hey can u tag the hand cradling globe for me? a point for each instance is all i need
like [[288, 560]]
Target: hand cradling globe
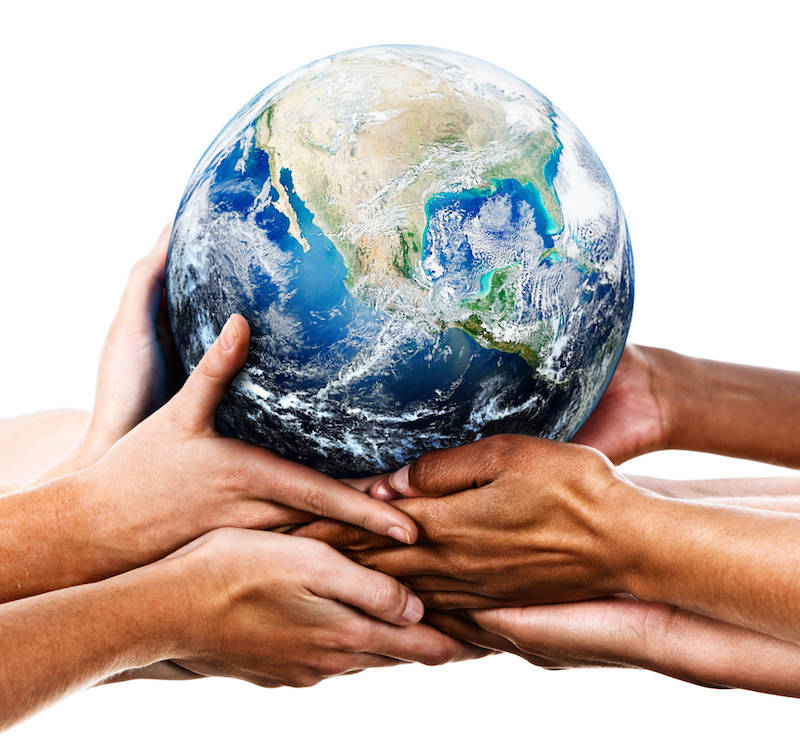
[[427, 252]]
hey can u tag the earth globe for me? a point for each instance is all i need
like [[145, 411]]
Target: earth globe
[[426, 249]]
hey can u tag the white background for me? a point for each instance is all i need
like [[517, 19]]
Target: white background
[[693, 109]]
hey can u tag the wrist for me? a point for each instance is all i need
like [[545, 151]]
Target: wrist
[[94, 442], [152, 606], [198, 570], [671, 386], [126, 525], [80, 456], [625, 537], [659, 530]]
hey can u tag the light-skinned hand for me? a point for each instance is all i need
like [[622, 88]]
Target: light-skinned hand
[[277, 610], [174, 477], [622, 632]]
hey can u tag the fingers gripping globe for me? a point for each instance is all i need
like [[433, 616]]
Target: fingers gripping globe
[[426, 249]]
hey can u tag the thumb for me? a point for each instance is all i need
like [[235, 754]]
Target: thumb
[[446, 471], [205, 387]]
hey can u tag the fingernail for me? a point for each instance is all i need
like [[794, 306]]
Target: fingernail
[[399, 480], [414, 609], [383, 491], [399, 534], [229, 335]]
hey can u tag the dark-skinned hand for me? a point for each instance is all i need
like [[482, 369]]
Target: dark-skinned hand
[[508, 520]]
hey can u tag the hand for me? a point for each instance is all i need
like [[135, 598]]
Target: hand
[[623, 632], [263, 607], [662, 400], [277, 610], [169, 480], [506, 520], [633, 416], [175, 471], [139, 366]]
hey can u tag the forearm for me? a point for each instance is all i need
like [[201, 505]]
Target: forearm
[[39, 447], [721, 487], [733, 563], [730, 409], [70, 531], [775, 494], [702, 650], [53, 644]]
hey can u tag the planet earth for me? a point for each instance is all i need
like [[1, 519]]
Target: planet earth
[[426, 249]]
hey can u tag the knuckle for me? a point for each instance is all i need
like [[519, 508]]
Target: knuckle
[[320, 552], [384, 595], [438, 653], [329, 666], [228, 537], [593, 458], [231, 478], [263, 682], [356, 637], [498, 450], [317, 559], [363, 519], [305, 679], [349, 643], [223, 537], [210, 366], [219, 543], [312, 500], [351, 537], [364, 559], [434, 600], [428, 468], [249, 517]]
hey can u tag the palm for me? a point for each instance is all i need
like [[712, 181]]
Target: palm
[[139, 367], [628, 421], [134, 377]]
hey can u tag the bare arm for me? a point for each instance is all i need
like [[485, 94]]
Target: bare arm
[[153, 474], [53, 644], [170, 479], [774, 494], [621, 632], [262, 607], [659, 399], [516, 520], [739, 488], [736, 410]]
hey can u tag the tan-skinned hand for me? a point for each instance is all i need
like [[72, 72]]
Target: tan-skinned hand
[[276, 610], [170, 476], [174, 477], [263, 607]]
